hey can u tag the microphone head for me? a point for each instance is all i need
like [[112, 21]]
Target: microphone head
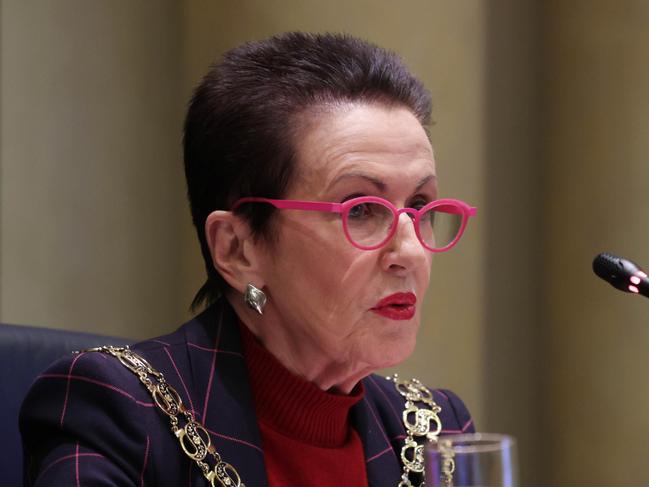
[[606, 265], [615, 270]]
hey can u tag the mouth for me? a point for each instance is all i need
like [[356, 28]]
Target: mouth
[[397, 306]]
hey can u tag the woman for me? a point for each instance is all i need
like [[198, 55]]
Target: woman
[[313, 190]]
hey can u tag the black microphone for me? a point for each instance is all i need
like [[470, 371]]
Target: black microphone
[[621, 274]]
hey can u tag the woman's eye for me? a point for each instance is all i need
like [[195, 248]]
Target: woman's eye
[[361, 210], [418, 204]]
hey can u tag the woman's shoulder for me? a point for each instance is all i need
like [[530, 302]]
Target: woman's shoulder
[[98, 381], [83, 370], [86, 408], [89, 405], [98, 371], [383, 394]]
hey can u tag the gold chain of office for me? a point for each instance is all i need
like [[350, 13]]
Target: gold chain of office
[[421, 420], [196, 442], [194, 439]]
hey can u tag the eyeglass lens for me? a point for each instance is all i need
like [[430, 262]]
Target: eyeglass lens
[[370, 223]]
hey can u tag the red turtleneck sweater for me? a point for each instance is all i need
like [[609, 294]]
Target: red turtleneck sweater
[[305, 432]]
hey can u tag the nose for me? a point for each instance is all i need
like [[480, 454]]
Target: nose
[[404, 252]]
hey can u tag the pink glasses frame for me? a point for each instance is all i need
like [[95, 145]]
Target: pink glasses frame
[[449, 205]]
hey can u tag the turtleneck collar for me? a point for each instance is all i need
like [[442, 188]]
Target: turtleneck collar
[[293, 406]]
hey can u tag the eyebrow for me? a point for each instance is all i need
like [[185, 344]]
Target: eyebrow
[[380, 185]]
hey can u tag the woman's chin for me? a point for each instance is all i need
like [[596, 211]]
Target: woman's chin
[[397, 352]]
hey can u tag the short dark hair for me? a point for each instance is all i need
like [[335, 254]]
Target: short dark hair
[[240, 123]]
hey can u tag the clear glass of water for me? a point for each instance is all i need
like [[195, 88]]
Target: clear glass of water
[[472, 460]]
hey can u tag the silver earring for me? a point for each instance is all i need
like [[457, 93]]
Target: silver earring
[[255, 298]]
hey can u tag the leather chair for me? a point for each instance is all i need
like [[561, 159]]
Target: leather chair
[[25, 352]]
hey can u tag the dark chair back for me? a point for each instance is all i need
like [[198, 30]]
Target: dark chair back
[[25, 351]]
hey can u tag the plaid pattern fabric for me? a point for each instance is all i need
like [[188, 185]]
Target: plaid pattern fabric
[[89, 421]]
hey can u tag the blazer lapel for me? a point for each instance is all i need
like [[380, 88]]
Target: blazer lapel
[[222, 395]]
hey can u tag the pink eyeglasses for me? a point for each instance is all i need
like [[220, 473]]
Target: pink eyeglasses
[[370, 222]]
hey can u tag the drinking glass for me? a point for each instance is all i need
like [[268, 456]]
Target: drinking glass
[[472, 460]]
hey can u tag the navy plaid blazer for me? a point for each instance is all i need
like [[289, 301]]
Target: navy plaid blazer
[[89, 421]]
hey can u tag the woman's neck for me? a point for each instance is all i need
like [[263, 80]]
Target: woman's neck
[[300, 355]]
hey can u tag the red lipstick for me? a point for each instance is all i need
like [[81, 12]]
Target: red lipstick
[[397, 306]]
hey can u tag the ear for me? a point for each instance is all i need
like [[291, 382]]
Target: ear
[[235, 254]]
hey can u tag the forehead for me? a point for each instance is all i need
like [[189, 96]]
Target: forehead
[[383, 143]]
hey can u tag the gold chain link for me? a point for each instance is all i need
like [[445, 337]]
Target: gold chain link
[[194, 439], [421, 420]]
